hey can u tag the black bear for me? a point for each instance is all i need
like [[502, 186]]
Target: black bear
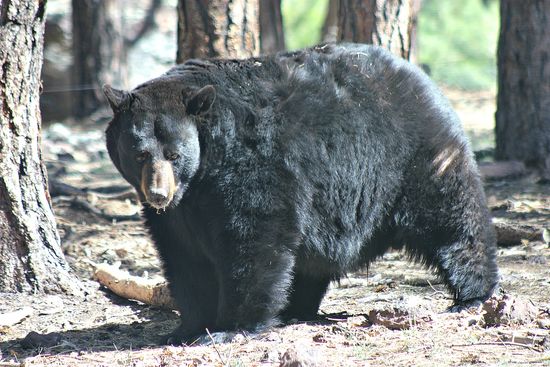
[[265, 179]]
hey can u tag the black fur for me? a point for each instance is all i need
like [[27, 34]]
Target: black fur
[[297, 168]]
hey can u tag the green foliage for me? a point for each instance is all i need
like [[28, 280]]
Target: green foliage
[[458, 40], [303, 20]]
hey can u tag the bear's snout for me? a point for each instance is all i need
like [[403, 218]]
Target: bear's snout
[[158, 183]]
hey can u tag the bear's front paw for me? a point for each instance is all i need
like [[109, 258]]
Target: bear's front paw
[[181, 336], [219, 337], [465, 305], [178, 337]]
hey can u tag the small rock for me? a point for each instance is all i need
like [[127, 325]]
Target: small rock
[[319, 338], [121, 252], [291, 358]]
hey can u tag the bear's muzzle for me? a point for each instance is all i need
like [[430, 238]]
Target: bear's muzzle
[[158, 183]]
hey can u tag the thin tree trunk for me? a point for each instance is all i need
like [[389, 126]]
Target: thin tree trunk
[[217, 28], [387, 23], [30, 254], [523, 103], [99, 55], [272, 38], [330, 27]]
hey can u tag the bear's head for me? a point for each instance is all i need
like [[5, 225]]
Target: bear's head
[[153, 138]]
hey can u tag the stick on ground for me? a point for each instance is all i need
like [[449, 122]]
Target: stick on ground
[[151, 292]]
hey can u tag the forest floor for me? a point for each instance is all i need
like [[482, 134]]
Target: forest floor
[[392, 316]]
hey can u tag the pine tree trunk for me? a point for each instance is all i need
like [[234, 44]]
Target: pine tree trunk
[[523, 103], [217, 28], [272, 38], [387, 23], [99, 53], [30, 254]]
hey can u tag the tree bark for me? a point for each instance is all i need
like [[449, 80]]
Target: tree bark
[[99, 54], [217, 28], [386, 23], [272, 38], [30, 254], [523, 102]]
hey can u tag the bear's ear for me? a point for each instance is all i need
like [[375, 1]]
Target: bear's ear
[[117, 98], [201, 101]]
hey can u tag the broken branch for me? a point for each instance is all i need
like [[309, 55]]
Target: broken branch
[[151, 292]]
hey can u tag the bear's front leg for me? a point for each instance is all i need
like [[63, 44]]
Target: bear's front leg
[[193, 285], [254, 281]]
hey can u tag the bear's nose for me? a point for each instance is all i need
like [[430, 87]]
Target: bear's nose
[[157, 195], [161, 192]]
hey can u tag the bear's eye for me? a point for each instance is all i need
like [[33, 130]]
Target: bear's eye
[[142, 156], [172, 156]]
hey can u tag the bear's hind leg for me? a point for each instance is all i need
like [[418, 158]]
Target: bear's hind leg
[[469, 269], [449, 229], [467, 266], [306, 295]]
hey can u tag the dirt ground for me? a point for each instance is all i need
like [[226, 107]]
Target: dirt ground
[[392, 316]]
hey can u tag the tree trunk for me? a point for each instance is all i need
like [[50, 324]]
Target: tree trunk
[[217, 28], [99, 55], [523, 103], [329, 32], [30, 255], [272, 37], [387, 23]]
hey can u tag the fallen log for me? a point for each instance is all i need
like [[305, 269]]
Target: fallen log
[[149, 291], [502, 169], [511, 234]]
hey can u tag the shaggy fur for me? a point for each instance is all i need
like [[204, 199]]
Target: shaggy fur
[[293, 170]]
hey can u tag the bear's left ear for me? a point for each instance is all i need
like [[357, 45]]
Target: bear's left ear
[[117, 98], [201, 101]]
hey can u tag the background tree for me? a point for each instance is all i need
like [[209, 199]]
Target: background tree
[[100, 51], [387, 23], [217, 28], [272, 38], [30, 254], [523, 102], [99, 55], [329, 32]]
